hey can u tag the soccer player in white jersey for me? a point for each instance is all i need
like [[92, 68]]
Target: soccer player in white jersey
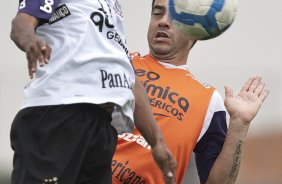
[[82, 95]]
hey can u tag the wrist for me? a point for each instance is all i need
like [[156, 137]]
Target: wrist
[[158, 140], [237, 118], [238, 128]]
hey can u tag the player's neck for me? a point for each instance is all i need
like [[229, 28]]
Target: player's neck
[[174, 59]]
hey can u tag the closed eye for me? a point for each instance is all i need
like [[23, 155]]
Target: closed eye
[[158, 10]]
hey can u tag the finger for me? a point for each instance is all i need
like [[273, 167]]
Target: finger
[[172, 165], [228, 92], [254, 84], [46, 54], [31, 64], [247, 84], [33, 68], [169, 179], [41, 61], [34, 55], [166, 170], [259, 88], [45, 50], [170, 174], [264, 94], [30, 70], [172, 168], [39, 52]]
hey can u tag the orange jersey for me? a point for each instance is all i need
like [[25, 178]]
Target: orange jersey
[[179, 103]]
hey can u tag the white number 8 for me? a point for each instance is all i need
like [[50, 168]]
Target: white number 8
[[47, 6]]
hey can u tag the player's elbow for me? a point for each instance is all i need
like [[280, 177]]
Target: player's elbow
[[12, 32]]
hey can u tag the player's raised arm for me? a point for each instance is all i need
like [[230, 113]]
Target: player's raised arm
[[23, 35], [145, 123], [242, 109]]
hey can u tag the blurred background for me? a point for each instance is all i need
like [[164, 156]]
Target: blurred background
[[251, 46]]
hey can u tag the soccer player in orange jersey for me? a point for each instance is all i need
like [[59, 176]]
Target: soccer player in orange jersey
[[191, 114]]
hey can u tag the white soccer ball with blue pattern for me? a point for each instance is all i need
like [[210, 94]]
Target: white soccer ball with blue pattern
[[202, 19]]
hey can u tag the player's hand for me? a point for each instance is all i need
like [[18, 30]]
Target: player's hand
[[37, 52], [247, 103], [166, 162]]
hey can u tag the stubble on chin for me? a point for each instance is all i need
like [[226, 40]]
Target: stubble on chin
[[161, 50]]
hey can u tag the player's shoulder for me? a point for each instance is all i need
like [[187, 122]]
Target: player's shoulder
[[136, 56], [217, 101], [203, 85], [42, 10], [142, 61]]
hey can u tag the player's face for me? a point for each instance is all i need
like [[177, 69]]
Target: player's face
[[162, 37]]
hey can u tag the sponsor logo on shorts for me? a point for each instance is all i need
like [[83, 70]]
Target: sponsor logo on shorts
[[59, 13]]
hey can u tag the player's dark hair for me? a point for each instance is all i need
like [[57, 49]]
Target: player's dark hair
[[153, 2]]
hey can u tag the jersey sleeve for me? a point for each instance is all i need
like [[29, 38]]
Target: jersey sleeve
[[41, 9], [213, 136]]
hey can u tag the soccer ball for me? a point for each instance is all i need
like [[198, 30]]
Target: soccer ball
[[202, 19]]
